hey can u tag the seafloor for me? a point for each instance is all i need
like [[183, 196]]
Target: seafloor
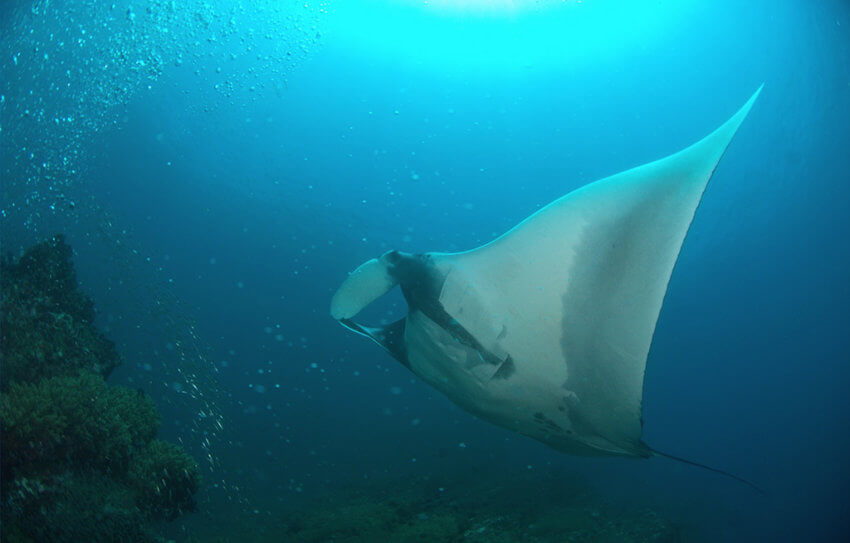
[[477, 507]]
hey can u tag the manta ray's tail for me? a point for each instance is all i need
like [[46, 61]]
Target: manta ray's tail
[[709, 468]]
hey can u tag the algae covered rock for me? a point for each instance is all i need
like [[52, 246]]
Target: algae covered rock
[[46, 321], [78, 457], [72, 421], [73, 507], [164, 479]]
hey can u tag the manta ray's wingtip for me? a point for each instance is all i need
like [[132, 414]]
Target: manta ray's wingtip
[[731, 126], [752, 99], [705, 154]]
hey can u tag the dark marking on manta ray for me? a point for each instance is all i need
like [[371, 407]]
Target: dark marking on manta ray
[[505, 370], [540, 418]]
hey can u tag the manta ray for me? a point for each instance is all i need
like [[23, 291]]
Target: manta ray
[[546, 330]]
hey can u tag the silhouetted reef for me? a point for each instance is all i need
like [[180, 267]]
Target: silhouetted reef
[[79, 457]]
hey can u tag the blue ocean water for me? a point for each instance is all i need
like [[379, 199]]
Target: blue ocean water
[[219, 167]]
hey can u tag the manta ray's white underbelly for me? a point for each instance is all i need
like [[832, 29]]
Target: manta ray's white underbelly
[[537, 408]]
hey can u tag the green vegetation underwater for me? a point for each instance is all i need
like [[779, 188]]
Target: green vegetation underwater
[[195, 195]]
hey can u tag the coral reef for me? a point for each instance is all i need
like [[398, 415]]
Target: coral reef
[[72, 506], [165, 480], [72, 421], [46, 322], [79, 457]]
